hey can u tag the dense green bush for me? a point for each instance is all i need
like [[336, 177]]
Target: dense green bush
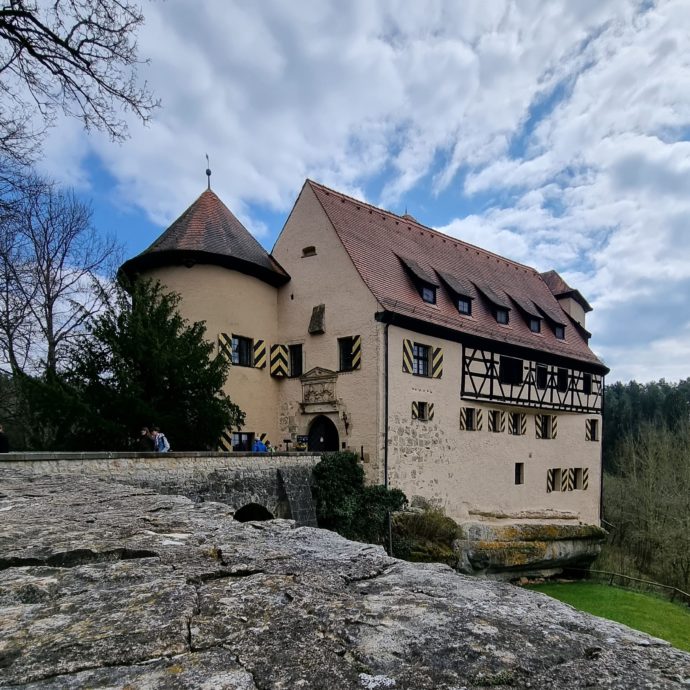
[[345, 505]]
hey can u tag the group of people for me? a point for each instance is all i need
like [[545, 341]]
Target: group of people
[[153, 440]]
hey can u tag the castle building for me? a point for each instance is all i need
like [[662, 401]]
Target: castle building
[[460, 376]]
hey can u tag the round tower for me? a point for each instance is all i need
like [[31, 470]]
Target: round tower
[[226, 279]]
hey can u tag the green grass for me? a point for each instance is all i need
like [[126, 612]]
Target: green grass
[[649, 614]]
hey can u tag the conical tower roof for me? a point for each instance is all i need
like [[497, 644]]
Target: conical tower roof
[[209, 233]]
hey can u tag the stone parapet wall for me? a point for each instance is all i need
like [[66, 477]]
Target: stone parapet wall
[[236, 479], [133, 464]]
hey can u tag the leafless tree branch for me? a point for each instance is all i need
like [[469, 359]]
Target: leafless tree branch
[[55, 269], [74, 56]]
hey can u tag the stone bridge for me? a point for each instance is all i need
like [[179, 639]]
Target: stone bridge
[[255, 486]]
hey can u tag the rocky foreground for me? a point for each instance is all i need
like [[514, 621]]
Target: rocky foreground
[[104, 585]]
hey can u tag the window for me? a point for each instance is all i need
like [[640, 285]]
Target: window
[[465, 306], [592, 429], [577, 478], [428, 294], [535, 325], [346, 352], [422, 410], [470, 419], [519, 472], [518, 423], [495, 421], [309, 251], [587, 384], [541, 376], [562, 380], [295, 360], [559, 332], [242, 441], [242, 351], [502, 316], [421, 354], [557, 478], [546, 426], [510, 370]]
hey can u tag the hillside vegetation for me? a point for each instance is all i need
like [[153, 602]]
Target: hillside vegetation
[[647, 481]]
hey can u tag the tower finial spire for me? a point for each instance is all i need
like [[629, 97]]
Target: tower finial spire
[[208, 171]]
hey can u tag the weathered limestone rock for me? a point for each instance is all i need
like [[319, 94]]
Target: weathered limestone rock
[[108, 585], [509, 550]]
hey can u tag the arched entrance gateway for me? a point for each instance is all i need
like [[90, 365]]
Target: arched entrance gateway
[[323, 435]]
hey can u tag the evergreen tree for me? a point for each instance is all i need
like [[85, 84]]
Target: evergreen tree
[[140, 364], [629, 407]]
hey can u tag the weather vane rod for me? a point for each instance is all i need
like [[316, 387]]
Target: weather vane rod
[[208, 171]]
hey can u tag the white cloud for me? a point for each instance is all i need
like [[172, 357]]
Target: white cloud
[[426, 94]]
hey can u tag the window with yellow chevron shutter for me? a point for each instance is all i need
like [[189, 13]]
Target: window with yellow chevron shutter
[[259, 354], [437, 363], [350, 353]]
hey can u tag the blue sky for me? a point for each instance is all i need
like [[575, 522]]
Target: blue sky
[[553, 133]]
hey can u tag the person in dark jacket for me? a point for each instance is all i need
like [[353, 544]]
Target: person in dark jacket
[[147, 443], [4, 441]]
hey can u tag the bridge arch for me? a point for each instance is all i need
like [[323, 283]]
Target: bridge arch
[[253, 512]]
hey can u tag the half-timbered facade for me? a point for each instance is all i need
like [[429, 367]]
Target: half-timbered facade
[[459, 375]]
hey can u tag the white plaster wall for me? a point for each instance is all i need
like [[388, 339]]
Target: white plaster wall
[[471, 472], [328, 278], [232, 302]]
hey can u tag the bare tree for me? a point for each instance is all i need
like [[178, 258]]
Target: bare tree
[[74, 56], [55, 271], [649, 503]]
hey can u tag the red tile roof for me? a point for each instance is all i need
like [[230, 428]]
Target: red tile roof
[[208, 232], [375, 239]]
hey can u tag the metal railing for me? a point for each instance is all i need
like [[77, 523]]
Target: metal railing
[[672, 592]]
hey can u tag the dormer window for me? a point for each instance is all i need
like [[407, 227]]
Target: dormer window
[[559, 332], [535, 325], [497, 302], [460, 291], [423, 280], [428, 294]]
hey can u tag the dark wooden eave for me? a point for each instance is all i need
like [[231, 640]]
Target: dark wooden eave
[[185, 257], [426, 327]]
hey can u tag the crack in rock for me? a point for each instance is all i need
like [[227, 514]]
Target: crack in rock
[[368, 576], [224, 574], [77, 557]]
